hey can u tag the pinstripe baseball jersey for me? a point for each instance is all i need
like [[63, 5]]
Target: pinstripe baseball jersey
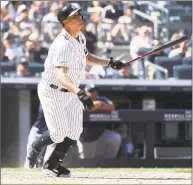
[[63, 111], [68, 52]]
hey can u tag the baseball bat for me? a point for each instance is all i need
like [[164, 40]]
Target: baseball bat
[[160, 48]]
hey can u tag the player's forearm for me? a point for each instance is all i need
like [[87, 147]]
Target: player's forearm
[[66, 82], [94, 60], [107, 107]]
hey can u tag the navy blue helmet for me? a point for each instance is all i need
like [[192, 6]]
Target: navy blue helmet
[[66, 12]]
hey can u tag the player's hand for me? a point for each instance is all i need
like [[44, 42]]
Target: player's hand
[[116, 64], [85, 99]]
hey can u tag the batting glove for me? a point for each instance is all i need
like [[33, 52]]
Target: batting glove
[[116, 64], [86, 100]]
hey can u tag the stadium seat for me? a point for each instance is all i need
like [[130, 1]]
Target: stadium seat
[[167, 63], [182, 71], [187, 61], [36, 68], [7, 67]]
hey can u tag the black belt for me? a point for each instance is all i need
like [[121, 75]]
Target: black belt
[[56, 87]]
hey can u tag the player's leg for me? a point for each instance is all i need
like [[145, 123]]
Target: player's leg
[[52, 165], [55, 118], [34, 135], [49, 151], [74, 123], [40, 157], [108, 144], [75, 119], [36, 147], [80, 149]]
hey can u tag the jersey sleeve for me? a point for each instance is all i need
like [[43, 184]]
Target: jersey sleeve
[[63, 55]]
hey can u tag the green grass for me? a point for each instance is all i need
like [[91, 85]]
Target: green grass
[[96, 170]]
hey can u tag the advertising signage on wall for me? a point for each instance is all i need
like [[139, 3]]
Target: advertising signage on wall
[[139, 116], [186, 116]]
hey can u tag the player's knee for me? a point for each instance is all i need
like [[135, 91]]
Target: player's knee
[[114, 139], [113, 143], [76, 135], [56, 138]]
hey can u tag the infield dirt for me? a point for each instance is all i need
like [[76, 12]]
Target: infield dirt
[[99, 176]]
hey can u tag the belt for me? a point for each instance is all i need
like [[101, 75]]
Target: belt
[[56, 87]]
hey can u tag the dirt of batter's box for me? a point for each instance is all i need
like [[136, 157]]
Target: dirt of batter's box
[[28, 177]]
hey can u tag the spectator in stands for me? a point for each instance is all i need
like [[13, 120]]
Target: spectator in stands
[[15, 5], [127, 148], [111, 12], [94, 19], [100, 71], [34, 50], [50, 26], [123, 73], [87, 75], [2, 50], [47, 5], [37, 11], [12, 52], [22, 20], [91, 40], [125, 24], [126, 4], [127, 17], [142, 41], [189, 53], [62, 4], [24, 35], [101, 142], [6, 16], [21, 68], [188, 56], [179, 49], [94, 7], [109, 16], [52, 15], [96, 72], [5, 11]]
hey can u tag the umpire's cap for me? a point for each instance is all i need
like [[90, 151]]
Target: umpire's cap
[[66, 12]]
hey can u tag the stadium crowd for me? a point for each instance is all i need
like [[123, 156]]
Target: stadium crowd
[[29, 27]]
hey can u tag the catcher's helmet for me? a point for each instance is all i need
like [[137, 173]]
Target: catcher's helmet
[[66, 12]]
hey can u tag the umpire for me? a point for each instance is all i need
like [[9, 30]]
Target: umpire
[[61, 98]]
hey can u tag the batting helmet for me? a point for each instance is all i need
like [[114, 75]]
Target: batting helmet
[[66, 12]]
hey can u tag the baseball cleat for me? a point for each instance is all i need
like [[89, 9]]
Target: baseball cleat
[[60, 171], [32, 158]]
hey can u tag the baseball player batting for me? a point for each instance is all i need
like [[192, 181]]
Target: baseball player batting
[[61, 98]]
